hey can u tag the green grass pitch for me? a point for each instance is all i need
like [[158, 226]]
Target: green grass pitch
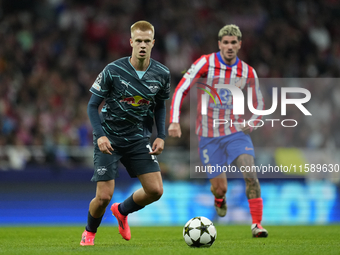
[[168, 240]]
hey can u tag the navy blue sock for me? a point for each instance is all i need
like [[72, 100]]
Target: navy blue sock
[[92, 223], [129, 206]]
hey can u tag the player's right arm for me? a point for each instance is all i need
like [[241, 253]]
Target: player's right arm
[[197, 70], [92, 111], [99, 89]]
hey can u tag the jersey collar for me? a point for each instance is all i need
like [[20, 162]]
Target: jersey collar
[[136, 70], [222, 61]]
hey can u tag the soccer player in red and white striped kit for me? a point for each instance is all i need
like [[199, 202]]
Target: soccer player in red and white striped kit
[[224, 144]]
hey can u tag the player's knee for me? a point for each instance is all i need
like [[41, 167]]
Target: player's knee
[[104, 200], [155, 193]]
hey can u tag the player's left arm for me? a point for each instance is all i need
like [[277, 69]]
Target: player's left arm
[[160, 114], [258, 103]]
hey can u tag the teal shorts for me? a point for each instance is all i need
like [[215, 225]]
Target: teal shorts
[[133, 155]]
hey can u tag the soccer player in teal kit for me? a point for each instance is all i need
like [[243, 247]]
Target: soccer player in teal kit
[[134, 89]]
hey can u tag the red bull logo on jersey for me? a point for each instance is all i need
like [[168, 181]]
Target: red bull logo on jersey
[[135, 101]]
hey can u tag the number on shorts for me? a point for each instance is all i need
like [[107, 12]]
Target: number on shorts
[[152, 156], [205, 156]]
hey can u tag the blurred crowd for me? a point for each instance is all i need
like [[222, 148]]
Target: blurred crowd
[[52, 50]]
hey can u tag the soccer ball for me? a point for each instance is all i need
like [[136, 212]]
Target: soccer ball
[[199, 232]]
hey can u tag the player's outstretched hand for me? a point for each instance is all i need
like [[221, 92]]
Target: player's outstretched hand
[[175, 130], [104, 145], [157, 147]]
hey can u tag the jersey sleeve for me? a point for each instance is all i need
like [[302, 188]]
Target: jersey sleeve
[[102, 85], [257, 98], [164, 93], [197, 70]]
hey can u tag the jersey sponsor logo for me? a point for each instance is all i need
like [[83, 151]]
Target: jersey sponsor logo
[[224, 106], [212, 94], [226, 95], [249, 149], [135, 101], [101, 170]]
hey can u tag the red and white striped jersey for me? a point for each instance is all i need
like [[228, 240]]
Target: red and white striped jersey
[[212, 69]]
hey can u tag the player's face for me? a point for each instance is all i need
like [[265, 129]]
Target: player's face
[[229, 46], [142, 43]]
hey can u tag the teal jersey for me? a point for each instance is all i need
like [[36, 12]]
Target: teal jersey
[[130, 100]]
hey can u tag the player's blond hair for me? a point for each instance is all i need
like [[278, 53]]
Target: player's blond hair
[[142, 25], [231, 30]]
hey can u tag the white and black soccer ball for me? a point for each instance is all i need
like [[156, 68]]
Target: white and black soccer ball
[[199, 232]]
